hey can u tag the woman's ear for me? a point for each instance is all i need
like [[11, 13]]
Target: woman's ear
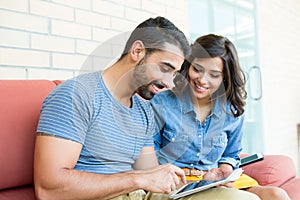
[[137, 50]]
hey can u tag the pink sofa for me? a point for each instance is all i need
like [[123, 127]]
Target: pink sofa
[[21, 101], [276, 170]]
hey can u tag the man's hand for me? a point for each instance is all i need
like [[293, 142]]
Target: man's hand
[[162, 179]]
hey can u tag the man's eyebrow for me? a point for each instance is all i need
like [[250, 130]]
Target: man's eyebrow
[[169, 65]]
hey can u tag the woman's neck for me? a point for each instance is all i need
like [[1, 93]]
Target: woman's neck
[[203, 108]]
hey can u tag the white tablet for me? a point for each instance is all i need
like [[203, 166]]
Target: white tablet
[[201, 185]]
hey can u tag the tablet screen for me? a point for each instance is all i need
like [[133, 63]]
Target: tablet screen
[[198, 184]]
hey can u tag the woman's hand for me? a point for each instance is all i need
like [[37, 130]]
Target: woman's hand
[[216, 174]]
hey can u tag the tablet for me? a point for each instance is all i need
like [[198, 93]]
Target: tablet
[[201, 185]]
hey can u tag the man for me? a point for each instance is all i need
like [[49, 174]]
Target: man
[[94, 137]]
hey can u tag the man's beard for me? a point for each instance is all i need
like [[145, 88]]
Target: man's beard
[[145, 92], [140, 73], [142, 81]]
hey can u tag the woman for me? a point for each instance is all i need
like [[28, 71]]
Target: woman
[[200, 122]]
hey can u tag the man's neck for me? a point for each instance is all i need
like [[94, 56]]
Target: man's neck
[[117, 79]]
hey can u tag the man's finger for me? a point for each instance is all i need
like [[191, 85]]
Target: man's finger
[[179, 172]]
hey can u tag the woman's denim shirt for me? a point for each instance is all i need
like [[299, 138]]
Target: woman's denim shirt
[[185, 142]]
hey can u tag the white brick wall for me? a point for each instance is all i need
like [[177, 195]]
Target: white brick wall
[[12, 73], [68, 61], [53, 11], [15, 5], [70, 29], [49, 43], [92, 19], [82, 4], [52, 39], [115, 9], [23, 21], [13, 38], [16, 57]]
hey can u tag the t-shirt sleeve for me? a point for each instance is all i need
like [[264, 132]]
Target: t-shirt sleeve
[[65, 112]]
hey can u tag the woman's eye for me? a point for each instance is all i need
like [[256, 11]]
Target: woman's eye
[[197, 69], [215, 75]]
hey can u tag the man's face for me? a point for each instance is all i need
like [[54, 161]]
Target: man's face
[[155, 72]]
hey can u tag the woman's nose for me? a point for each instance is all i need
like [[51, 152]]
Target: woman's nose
[[202, 78]]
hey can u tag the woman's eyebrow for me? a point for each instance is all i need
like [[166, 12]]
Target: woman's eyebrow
[[212, 70], [198, 65], [216, 71]]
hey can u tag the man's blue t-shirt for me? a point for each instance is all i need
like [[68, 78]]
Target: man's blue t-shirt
[[83, 110]]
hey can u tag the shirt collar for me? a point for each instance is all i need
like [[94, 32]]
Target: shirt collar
[[187, 105]]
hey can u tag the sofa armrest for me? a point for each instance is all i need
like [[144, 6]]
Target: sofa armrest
[[274, 170]]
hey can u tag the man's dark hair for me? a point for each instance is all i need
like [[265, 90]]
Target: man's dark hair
[[155, 33]]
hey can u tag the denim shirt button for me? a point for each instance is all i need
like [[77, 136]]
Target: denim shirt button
[[192, 165], [173, 139], [198, 154]]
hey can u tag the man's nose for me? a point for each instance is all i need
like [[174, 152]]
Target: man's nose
[[168, 81]]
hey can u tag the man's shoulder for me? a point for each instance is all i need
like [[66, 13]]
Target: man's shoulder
[[85, 79], [83, 82]]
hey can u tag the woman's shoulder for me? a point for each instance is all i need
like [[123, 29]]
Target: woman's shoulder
[[164, 97], [227, 109]]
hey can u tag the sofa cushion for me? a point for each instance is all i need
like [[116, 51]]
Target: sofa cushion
[[19, 193], [274, 170], [20, 102], [292, 188]]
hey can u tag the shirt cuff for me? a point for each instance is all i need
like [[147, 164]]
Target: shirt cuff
[[231, 161]]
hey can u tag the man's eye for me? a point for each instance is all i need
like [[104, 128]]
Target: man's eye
[[164, 68]]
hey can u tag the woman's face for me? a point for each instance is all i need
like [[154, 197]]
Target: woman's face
[[205, 76]]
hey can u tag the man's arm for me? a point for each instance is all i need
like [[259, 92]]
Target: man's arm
[[147, 159], [55, 177]]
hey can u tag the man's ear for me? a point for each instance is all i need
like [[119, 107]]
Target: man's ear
[[137, 50]]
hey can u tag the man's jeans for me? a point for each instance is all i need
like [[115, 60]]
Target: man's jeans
[[211, 194]]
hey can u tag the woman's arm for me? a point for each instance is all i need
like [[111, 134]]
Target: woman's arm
[[234, 143]]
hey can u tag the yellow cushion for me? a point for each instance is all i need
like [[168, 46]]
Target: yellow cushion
[[244, 181]]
